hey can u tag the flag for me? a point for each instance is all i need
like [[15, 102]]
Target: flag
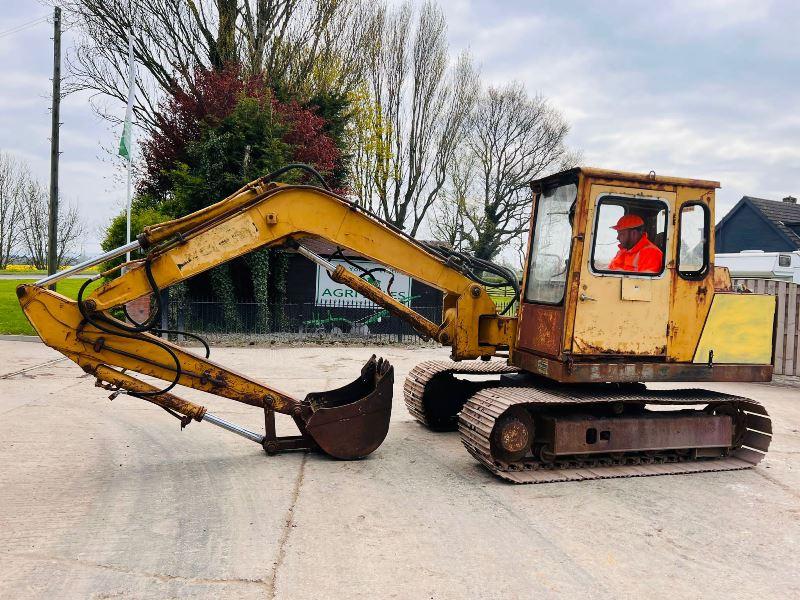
[[125, 140]]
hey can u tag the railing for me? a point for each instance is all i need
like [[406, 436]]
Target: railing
[[338, 320], [787, 342]]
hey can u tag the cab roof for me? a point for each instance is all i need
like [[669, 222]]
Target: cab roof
[[622, 176]]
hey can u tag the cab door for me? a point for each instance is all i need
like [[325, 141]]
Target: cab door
[[541, 318], [693, 284], [623, 312]]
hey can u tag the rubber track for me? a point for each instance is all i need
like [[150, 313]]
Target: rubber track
[[478, 417], [421, 375]]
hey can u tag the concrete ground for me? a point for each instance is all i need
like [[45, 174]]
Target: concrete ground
[[101, 499]]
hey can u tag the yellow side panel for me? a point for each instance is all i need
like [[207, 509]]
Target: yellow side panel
[[738, 330]]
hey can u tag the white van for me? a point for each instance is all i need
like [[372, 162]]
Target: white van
[[784, 266]]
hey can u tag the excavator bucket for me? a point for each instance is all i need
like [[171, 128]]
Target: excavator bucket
[[352, 421]]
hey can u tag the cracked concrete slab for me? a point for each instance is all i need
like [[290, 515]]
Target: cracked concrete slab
[[111, 499]]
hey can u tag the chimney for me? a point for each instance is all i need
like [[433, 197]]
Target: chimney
[[790, 200]]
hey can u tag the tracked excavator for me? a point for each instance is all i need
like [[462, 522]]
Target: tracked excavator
[[554, 392]]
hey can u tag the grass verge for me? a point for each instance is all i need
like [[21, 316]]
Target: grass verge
[[12, 320]]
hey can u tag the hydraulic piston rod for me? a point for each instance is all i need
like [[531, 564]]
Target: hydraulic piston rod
[[245, 433], [118, 379], [328, 266], [89, 263]]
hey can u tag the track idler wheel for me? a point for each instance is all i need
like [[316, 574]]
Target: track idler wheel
[[512, 435], [737, 418], [352, 421]]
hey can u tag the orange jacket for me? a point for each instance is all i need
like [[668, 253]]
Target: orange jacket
[[644, 257]]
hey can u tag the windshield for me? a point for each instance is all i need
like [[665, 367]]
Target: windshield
[[552, 236]]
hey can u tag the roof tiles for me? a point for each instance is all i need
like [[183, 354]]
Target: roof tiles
[[781, 214]]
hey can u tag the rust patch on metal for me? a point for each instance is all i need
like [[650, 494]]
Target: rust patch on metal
[[583, 347], [653, 431], [722, 279], [541, 328], [514, 436], [117, 380], [625, 370]]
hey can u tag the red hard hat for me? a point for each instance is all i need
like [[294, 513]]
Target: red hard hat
[[629, 222]]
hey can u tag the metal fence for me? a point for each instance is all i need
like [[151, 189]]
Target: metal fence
[[339, 319], [787, 341], [343, 320]]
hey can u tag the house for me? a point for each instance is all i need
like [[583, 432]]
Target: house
[[760, 224]]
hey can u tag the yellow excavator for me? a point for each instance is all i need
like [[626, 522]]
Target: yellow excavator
[[562, 392]]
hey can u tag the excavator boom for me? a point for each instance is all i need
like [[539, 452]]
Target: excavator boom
[[349, 422]]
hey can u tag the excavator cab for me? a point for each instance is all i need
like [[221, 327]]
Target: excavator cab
[[593, 310], [619, 290]]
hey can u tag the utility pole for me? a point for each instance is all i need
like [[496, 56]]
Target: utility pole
[[52, 230]]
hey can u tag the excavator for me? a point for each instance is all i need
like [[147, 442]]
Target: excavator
[[556, 392]]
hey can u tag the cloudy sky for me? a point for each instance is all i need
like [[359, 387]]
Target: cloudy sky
[[695, 88]]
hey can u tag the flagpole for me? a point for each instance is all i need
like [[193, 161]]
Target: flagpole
[[128, 213]]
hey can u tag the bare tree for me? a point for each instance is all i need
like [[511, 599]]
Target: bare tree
[[300, 44], [71, 228], [419, 111], [13, 179], [447, 218], [34, 224], [35, 212], [514, 139], [307, 46]]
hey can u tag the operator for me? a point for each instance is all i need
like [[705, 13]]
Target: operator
[[636, 254]]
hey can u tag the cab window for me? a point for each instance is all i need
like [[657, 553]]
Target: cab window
[[550, 246], [693, 241], [630, 236]]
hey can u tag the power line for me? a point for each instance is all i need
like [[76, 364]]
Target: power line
[[23, 26]]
